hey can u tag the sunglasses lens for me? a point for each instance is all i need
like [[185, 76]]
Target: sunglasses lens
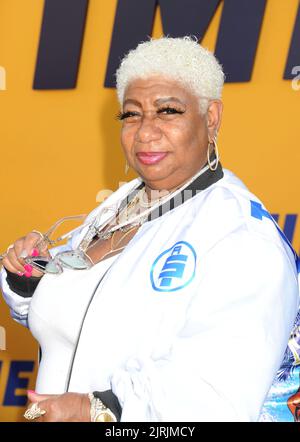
[[39, 263], [75, 260], [53, 267]]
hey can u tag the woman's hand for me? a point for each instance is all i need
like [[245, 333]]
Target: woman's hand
[[67, 407], [15, 264]]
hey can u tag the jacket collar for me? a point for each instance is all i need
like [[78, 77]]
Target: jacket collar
[[202, 182]]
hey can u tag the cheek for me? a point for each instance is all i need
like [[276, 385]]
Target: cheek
[[188, 141], [195, 135], [127, 138], [181, 137]]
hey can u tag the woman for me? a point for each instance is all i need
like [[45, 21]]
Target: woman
[[186, 284]]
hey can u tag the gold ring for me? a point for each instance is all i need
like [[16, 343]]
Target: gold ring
[[34, 412]]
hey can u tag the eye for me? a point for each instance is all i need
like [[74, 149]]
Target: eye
[[125, 115], [168, 110]]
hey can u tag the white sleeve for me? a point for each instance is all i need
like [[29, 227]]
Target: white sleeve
[[19, 306], [222, 363]]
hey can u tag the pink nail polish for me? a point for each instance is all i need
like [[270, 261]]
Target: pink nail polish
[[30, 391], [20, 273], [28, 274], [28, 267], [35, 252]]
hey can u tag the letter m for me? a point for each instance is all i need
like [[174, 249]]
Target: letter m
[[237, 38]]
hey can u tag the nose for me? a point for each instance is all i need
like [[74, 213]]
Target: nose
[[148, 130]]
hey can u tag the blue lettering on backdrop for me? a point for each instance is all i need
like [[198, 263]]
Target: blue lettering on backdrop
[[289, 224], [60, 44], [64, 23], [14, 382], [134, 21], [294, 51]]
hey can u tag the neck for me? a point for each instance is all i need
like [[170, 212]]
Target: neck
[[154, 194], [159, 192]]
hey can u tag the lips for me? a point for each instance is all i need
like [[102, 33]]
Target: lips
[[151, 157]]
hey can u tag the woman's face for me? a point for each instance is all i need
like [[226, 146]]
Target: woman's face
[[164, 136]]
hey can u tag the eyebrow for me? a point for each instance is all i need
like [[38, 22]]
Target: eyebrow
[[132, 101], [166, 99], [156, 102]]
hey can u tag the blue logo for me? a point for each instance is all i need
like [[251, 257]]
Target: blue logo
[[258, 212], [174, 268]]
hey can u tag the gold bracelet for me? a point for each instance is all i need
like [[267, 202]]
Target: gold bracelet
[[99, 412]]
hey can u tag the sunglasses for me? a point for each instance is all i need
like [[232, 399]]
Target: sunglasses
[[75, 260], [71, 259]]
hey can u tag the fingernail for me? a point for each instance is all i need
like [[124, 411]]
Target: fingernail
[[28, 274], [23, 254], [28, 267], [34, 252], [30, 391], [20, 273]]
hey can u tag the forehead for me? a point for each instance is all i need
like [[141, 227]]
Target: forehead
[[157, 87]]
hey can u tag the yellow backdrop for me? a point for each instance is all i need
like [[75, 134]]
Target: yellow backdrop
[[59, 148]]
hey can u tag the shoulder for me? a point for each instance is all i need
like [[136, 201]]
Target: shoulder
[[230, 200], [232, 205], [228, 207]]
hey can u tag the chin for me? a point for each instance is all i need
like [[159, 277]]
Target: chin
[[156, 173], [154, 177]]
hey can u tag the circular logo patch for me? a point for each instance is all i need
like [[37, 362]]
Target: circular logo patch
[[174, 268]]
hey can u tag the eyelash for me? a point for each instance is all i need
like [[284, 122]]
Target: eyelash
[[170, 111]]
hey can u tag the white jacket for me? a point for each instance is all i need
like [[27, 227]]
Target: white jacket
[[191, 320]]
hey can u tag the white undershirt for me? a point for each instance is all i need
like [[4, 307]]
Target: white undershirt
[[55, 320]]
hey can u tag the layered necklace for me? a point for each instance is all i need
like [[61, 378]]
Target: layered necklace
[[137, 205], [133, 215], [134, 209]]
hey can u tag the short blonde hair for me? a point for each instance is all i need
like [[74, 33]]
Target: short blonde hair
[[182, 59]]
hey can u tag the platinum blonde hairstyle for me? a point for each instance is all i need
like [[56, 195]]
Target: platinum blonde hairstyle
[[182, 59]]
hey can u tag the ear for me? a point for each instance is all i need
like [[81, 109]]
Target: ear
[[214, 117]]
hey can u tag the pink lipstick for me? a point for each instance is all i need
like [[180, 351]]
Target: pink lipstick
[[151, 157]]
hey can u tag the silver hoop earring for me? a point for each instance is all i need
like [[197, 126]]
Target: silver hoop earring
[[126, 167], [215, 148]]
